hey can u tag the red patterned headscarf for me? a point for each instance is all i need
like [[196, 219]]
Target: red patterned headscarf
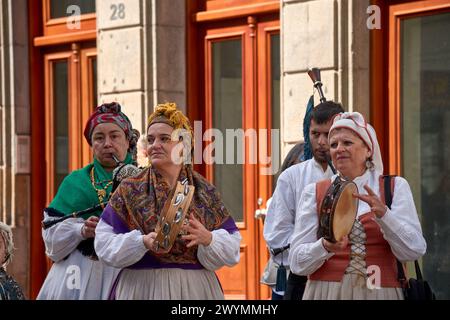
[[111, 113], [107, 113]]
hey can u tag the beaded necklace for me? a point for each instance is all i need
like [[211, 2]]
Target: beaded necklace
[[101, 192]]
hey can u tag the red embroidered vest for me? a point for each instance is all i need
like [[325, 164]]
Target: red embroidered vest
[[378, 250]]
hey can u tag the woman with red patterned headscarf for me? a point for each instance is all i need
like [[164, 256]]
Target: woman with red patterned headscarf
[[77, 273]]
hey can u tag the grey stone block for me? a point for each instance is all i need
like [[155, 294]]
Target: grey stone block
[[118, 14], [132, 105], [171, 59], [171, 13], [309, 35], [23, 154], [172, 96], [297, 88], [120, 60]]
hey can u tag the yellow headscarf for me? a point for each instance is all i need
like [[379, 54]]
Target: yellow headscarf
[[169, 114]]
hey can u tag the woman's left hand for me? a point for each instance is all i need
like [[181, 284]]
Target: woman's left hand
[[375, 203], [198, 234], [88, 229]]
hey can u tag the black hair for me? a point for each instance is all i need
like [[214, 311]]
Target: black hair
[[325, 111], [293, 156]]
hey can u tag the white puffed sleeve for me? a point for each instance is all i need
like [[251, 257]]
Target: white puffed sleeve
[[62, 238], [307, 252], [400, 225], [222, 251], [280, 219], [118, 250]]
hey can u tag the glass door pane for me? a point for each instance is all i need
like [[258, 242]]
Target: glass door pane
[[61, 116], [227, 115], [58, 8], [94, 82], [275, 64], [425, 108]]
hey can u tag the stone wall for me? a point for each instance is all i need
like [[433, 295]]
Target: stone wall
[[15, 133], [141, 55], [331, 35]]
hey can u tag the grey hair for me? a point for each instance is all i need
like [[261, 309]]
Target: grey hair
[[6, 235]]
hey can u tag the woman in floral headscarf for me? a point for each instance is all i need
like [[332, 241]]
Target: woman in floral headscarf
[[9, 288], [126, 232], [379, 236], [76, 272]]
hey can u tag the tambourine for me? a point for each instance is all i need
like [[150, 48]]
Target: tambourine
[[173, 218], [338, 210]]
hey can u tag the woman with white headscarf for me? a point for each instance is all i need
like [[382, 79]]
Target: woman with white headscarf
[[379, 236]]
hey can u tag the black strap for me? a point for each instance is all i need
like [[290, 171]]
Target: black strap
[[418, 272], [388, 200], [387, 190]]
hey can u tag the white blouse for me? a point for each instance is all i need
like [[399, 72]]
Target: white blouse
[[400, 226], [122, 250], [73, 276], [62, 238]]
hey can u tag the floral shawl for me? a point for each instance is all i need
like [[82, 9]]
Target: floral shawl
[[139, 200]]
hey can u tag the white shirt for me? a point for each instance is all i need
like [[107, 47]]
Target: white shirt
[[281, 213], [400, 226], [73, 276]]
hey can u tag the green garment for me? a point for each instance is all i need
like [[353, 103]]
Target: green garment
[[76, 192]]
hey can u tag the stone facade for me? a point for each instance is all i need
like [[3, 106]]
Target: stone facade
[[15, 130], [142, 55], [331, 35]]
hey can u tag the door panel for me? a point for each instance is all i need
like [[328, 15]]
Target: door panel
[[227, 114], [57, 70], [239, 95], [228, 76], [70, 96]]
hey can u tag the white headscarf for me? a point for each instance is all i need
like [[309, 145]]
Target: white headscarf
[[356, 122]]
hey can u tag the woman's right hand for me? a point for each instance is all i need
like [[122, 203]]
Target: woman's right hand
[[149, 239], [335, 247]]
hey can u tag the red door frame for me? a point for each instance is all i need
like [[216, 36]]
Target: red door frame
[[199, 107]]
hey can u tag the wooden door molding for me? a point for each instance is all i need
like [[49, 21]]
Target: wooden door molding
[[56, 31], [75, 110], [87, 98], [65, 38], [209, 21], [38, 187], [265, 31], [59, 25], [49, 62], [379, 80], [247, 267], [236, 9], [397, 13], [80, 97]]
